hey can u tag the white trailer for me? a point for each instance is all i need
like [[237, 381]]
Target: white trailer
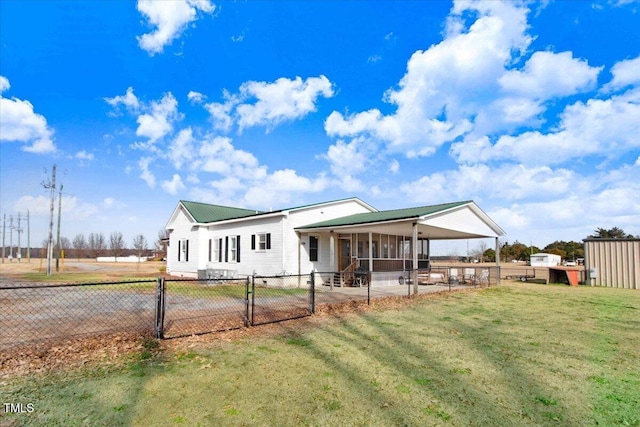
[[545, 260]]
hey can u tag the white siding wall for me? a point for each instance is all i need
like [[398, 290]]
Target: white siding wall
[[182, 230], [266, 262]]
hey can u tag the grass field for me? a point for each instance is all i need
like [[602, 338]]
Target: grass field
[[519, 354]]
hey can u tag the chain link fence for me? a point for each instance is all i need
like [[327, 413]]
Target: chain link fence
[[169, 308], [36, 313], [277, 298], [198, 306]]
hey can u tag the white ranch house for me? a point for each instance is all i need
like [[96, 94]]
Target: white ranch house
[[336, 236]]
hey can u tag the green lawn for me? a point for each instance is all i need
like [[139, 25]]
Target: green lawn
[[520, 354]]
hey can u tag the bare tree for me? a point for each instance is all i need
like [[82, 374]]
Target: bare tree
[[139, 244], [161, 243], [79, 244], [65, 245], [116, 244], [96, 244], [478, 253]]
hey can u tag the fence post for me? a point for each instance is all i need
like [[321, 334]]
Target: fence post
[[160, 308], [253, 300], [246, 301], [312, 294]]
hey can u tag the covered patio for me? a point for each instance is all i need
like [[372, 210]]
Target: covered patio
[[378, 245]]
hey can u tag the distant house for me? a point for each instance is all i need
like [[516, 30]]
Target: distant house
[[545, 260], [332, 236]]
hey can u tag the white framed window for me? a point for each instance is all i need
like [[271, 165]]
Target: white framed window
[[313, 248], [183, 250], [232, 249], [261, 242], [216, 250]]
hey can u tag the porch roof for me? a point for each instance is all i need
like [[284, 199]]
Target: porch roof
[[457, 220]]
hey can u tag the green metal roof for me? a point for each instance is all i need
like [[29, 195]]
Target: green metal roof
[[203, 212], [383, 216]]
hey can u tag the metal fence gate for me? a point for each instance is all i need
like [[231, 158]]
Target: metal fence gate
[[198, 306]]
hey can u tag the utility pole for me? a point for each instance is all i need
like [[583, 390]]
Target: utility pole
[[10, 238], [58, 239], [4, 220], [28, 238], [19, 230], [50, 185]]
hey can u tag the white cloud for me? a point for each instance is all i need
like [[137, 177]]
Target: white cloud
[[4, 84], [268, 104], [174, 186], [145, 173], [625, 73], [155, 119], [547, 75], [39, 205], [347, 158], [447, 84], [129, 100], [112, 203], [394, 166], [158, 121], [221, 111], [511, 218], [19, 122], [218, 155], [282, 100], [196, 97], [281, 187], [239, 38], [170, 19], [83, 155], [72, 207], [539, 204], [584, 130], [506, 183], [182, 148]]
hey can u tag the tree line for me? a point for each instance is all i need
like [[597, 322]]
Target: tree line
[[95, 245], [567, 250]]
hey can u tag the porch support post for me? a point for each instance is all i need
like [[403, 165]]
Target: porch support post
[[299, 252], [370, 251], [498, 260], [332, 256], [414, 274]]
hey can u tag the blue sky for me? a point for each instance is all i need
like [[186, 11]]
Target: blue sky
[[531, 109]]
